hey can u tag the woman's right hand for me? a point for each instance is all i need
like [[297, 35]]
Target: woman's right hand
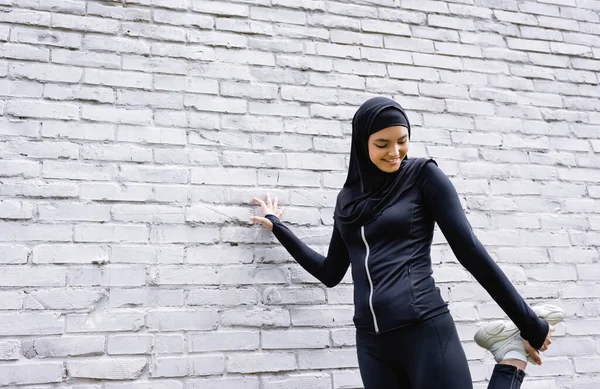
[[268, 208], [533, 352]]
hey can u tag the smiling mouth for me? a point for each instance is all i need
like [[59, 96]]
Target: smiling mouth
[[392, 160]]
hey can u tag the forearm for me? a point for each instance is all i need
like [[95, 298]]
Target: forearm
[[487, 272], [329, 270]]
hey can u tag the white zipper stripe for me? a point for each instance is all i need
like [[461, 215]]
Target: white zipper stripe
[[362, 231]]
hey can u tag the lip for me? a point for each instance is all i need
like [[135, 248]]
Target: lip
[[392, 162]]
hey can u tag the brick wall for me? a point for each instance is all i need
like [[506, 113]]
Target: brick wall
[[133, 135]]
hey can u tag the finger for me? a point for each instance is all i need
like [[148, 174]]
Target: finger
[[528, 348], [263, 206], [262, 221], [280, 213], [256, 219], [536, 357], [258, 201], [269, 202], [275, 204]]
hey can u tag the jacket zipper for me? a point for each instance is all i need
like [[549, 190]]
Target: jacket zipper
[[362, 231]]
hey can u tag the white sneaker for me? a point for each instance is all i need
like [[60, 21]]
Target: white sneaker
[[503, 339]]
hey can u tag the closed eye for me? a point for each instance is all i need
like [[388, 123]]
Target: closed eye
[[384, 146]]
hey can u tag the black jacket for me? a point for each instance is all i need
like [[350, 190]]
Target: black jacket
[[391, 262]]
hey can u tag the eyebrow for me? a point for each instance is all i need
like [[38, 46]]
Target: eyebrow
[[387, 140]]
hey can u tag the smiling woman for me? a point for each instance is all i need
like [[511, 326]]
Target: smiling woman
[[383, 226]]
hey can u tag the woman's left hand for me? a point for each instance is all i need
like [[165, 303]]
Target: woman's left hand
[[533, 352], [268, 208]]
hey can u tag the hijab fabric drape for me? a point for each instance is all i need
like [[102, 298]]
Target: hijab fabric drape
[[368, 190]]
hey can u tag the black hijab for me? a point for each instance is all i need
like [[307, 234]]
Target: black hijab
[[369, 190]]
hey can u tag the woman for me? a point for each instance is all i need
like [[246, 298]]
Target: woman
[[383, 225]]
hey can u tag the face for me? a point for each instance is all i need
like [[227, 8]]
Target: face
[[388, 147]]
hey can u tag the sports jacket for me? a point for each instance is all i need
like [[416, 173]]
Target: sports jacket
[[391, 260]]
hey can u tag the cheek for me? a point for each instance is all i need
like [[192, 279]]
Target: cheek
[[375, 153]]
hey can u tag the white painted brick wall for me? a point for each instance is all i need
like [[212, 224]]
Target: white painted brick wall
[[134, 134]]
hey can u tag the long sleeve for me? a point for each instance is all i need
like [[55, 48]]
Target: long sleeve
[[442, 199], [330, 269]]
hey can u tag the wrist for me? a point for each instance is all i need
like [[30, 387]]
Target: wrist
[[273, 219]]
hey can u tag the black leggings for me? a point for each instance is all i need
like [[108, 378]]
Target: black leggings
[[427, 355]]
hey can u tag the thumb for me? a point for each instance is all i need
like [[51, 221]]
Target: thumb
[[263, 221]]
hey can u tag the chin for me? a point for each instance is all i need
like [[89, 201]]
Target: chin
[[389, 169]]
